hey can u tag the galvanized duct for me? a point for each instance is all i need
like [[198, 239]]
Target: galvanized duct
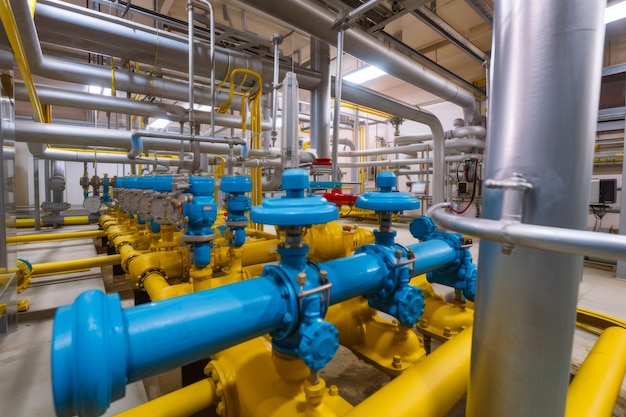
[[543, 107]]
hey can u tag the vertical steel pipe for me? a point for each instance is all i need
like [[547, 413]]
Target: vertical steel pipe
[[320, 98], [337, 109], [544, 102]]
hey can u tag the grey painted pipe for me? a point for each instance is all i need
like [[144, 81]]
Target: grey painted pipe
[[526, 301], [407, 162], [459, 132], [79, 27], [320, 98], [39, 150], [555, 239], [411, 149], [316, 20], [365, 97], [83, 100]]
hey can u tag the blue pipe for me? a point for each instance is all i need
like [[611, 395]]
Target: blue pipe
[[98, 347]]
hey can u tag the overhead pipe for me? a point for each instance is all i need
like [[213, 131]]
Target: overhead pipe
[[41, 151], [553, 152], [409, 161], [411, 149], [360, 95], [478, 132], [83, 100], [316, 20], [110, 35], [74, 72]]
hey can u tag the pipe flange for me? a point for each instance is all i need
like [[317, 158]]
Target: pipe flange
[[149, 271], [199, 238], [239, 224]]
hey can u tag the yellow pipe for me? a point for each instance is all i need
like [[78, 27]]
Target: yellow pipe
[[10, 27], [180, 403], [595, 322], [596, 386], [43, 237], [429, 388], [73, 265], [67, 221]]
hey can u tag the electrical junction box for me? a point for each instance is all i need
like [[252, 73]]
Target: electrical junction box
[[463, 189], [603, 191]]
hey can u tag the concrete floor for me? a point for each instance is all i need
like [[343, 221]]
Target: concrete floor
[[25, 388]]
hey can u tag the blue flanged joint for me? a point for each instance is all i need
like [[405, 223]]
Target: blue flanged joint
[[385, 202], [76, 377], [459, 274], [304, 333], [200, 212], [395, 296], [106, 196], [237, 203]]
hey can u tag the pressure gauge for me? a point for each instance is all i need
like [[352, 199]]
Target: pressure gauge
[[92, 204]]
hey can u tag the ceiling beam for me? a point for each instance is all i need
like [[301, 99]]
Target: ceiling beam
[[440, 26], [408, 7], [482, 9]]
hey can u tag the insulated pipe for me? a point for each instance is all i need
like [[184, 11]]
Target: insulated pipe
[[337, 108], [33, 133], [365, 97], [91, 364], [83, 100], [320, 98], [430, 388], [41, 151], [596, 386], [316, 20], [109, 35], [411, 149], [523, 337], [412, 161]]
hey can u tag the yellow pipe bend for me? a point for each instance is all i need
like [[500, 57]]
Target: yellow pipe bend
[[596, 386], [430, 388], [180, 403]]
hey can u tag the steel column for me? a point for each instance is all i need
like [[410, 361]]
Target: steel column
[[543, 104]]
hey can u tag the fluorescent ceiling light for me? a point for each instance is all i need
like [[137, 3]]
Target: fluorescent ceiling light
[[158, 124], [364, 74], [94, 89], [615, 12], [199, 107]]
